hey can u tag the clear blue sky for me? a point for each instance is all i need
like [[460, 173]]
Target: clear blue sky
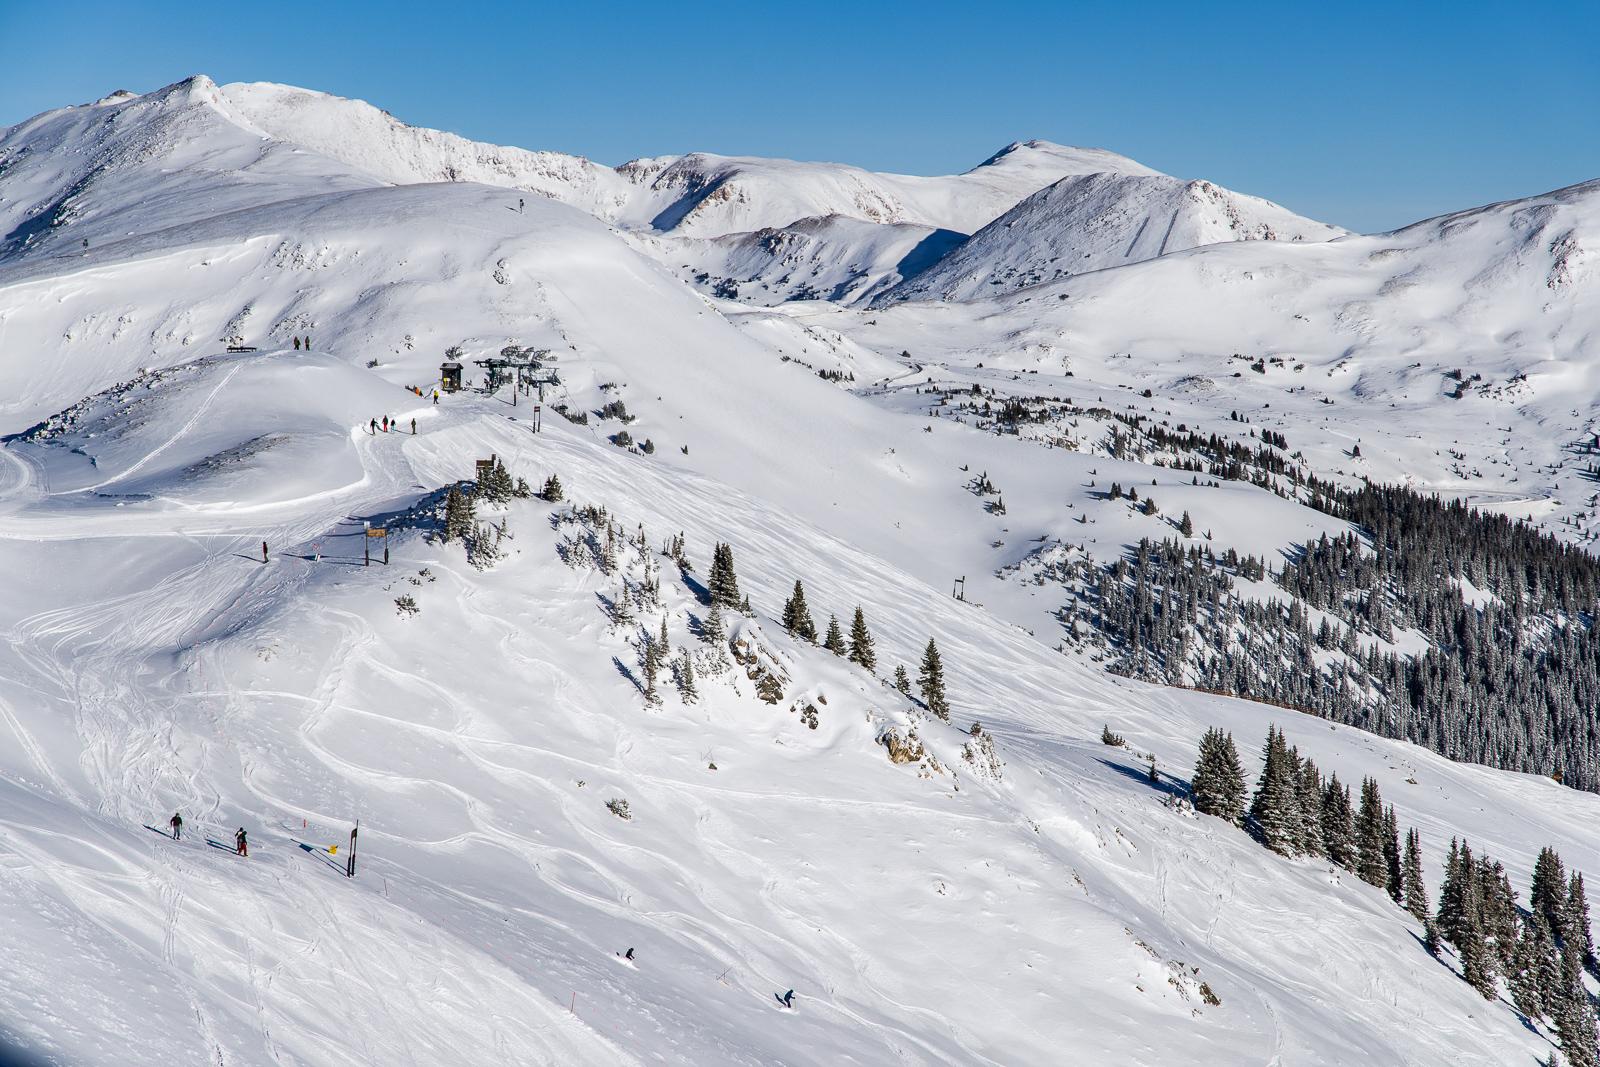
[[1370, 115]]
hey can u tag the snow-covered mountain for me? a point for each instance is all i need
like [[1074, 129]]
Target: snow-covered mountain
[[1092, 221], [998, 887]]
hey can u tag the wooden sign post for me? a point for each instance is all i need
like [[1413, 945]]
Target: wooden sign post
[[376, 531]]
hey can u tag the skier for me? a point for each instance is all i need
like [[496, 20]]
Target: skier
[[374, 426], [297, 344], [386, 424], [413, 427], [240, 844], [788, 999], [519, 205], [628, 955], [263, 552], [176, 822]]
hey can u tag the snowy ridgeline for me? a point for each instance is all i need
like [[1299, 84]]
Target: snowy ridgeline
[[674, 714]]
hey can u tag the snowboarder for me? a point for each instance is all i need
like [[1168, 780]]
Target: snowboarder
[[628, 955], [413, 427], [176, 822], [787, 1000], [240, 844], [263, 552]]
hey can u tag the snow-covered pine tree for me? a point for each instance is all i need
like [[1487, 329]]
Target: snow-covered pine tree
[[723, 583], [553, 491], [1455, 891], [685, 674], [1548, 894], [1309, 786], [1523, 975], [931, 681], [713, 631], [797, 615], [1476, 966], [1574, 1015], [458, 515], [1338, 826], [1372, 866], [1395, 881], [902, 679], [834, 641], [1575, 921], [861, 651], [1275, 811], [1219, 784], [651, 657], [1415, 888], [1186, 526], [665, 642]]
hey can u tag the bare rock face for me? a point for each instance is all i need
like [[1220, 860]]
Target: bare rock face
[[903, 748]]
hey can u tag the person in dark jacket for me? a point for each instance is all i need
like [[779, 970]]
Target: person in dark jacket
[[176, 822], [240, 844]]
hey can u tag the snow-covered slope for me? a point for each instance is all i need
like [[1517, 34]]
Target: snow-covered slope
[[1043, 904], [704, 195], [1093, 221]]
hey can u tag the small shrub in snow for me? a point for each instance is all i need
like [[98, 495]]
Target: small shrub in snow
[[622, 439], [406, 604], [1109, 738], [619, 807]]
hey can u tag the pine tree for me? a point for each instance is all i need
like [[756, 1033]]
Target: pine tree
[[1338, 827], [1575, 922], [723, 583], [1455, 893], [553, 492], [1309, 798], [665, 642], [902, 680], [931, 681], [1186, 527], [459, 515], [608, 555], [1547, 965], [1274, 813], [1415, 888], [1372, 866], [797, 616], [1548, 895], [861, 651], [686, 687], [713, 631], [652, 664], [1524, 974], [1574, 1015], [834, 641], [1218, 784], [1394, 881], [1475, 963]]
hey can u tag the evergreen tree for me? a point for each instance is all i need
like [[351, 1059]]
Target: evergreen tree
[[1309, 800], [1547, 964], [722, 583], [1453, 893], [1476, 967], [1394, 882], [1574, 1016], [713, 631], [744, 605], [1524, 974], [1218, 784], [1548, 895], [1575, 922], [1415, 888], [651, 655], [1186, 526], [1275, 811], [1338, 826], [797, 616], [861, 650], [902, 680], [664, 641], [834, 641], [496, 485], [686, 685], [459, 515], [931, 681], [1498, 912], [1372, 866], [553, 492]]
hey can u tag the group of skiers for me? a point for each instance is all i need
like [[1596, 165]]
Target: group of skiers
[[389, 422], [298, 345], [241, 840]]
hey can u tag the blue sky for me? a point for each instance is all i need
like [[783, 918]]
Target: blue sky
[[1364, 114]]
